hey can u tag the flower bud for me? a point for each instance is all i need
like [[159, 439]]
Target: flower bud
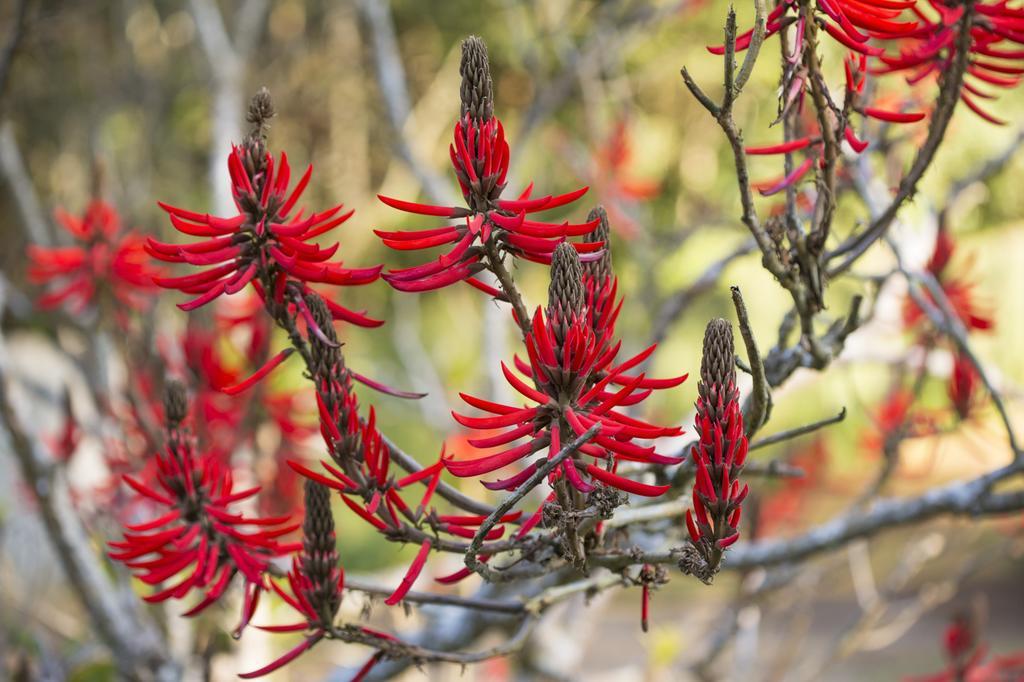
[[477, 91]]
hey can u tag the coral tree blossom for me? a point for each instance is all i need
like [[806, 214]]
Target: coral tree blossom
[[197, 541], [103, 258], [574, 379], [959, 291], [315, 581], [488, 225], [851, 23], [268, 243], [994, 45], [720, 453]]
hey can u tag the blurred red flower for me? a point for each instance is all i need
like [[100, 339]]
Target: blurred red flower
[[104, 259]]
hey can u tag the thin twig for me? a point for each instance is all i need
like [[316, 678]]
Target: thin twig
[[11, 48], [972, 498], [476, 603], [445, 490], [790, 434], [946, 320], [757, 409], [397, 649], [754, 49]]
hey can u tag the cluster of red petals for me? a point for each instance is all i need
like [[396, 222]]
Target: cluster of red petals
[[963, 385], [572, 378], [480, 157], [851, 23], [855, 66], [103, 257], [896, 416], [996, 52], [197, 541], [959, 291], [966, 657], [719, 456], [365, 482], [267, 243]]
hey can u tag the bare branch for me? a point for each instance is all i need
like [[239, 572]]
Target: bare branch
[[395, 93], [476, 603], [754, 49], [790, 434], [757, 408], [972, 498], [33, 220], [136, 646], [409, 463]]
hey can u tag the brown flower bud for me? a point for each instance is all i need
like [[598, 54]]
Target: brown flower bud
[[319, 558], [477, 92], [261, 110], [718, 363], [600, 269], [175, 403], [717, 384], [566, 296]]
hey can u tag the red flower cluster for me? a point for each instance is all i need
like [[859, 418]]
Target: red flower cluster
[[895, 417], [316, 579], [488, 225], [855, 67], [197, 536], [966, 656], [721, 452], [571, 375], [361, 468], [959, 292], [996, 58], [104, 259], [851, 23], [268, 243]]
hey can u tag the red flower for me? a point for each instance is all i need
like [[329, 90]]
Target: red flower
[[197, 541], [316, 579], [267, 243], [103, 259], [488, 225], [571, 378], [995, 56], [959, 291], [721, 451], [849, 22], [855, 66], [963, 385], [894, 417]]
